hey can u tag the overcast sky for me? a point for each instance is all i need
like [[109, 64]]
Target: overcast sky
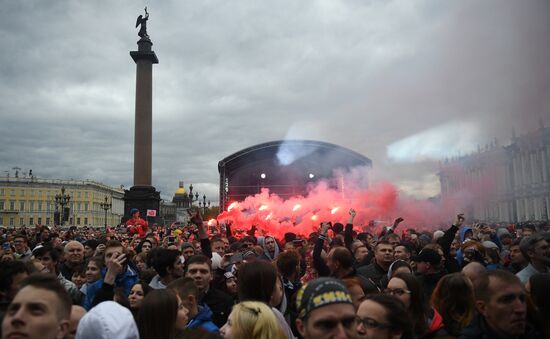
[[360, 74]]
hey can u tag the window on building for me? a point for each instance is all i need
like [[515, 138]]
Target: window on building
[[31, 208], [12, 193], [86, 207], [85, 221], [1, 205], [47, 221], [39, 221], [86, 195], [40, 206], [1, 191], [20, 221], [12, 205], [78, 221], [79, 205], [21, 205], [79, 194], [11, 221], [31, 221], [22, 192]]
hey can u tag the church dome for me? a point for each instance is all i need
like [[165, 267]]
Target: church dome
[[180, 190]]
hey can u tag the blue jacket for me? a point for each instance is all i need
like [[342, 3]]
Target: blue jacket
[[203, 320], [89, 291], [462, 235], [125, 280]]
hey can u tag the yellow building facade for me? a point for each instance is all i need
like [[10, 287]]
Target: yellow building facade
[[31, 201]]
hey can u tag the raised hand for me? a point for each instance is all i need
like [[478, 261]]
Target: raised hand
[[459, 220], [397, 222]]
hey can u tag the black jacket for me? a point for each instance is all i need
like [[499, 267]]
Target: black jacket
[[374, 273], [429, 282], [479, 329], [220, 303]]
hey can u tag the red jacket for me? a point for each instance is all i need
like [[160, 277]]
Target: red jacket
[[137, 226]]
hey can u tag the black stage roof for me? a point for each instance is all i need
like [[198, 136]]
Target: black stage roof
[[286, 167]]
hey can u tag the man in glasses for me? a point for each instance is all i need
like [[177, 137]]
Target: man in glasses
[[325, 310]]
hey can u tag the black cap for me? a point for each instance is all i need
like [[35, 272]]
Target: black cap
[[427, 255]]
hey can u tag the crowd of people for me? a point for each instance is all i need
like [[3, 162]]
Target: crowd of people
[[468, 280]]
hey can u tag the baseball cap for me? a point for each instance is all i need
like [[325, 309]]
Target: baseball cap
[[427, 255]]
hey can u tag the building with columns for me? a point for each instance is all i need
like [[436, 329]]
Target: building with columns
[[29, 201], [502, 183]]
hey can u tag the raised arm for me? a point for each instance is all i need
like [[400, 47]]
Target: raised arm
[[318, 262], [348, 231]]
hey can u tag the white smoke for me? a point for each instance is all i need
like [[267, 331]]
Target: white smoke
[[437, 143], [287, 153]]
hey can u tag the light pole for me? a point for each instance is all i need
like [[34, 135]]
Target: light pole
[[106, 206], [62, 199], [204, 205], [191, 198]]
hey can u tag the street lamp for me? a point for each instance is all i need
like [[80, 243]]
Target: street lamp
[[106, 206], [204, 205], [62, 199], [191, 197]]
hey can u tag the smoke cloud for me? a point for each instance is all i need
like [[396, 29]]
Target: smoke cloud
[[331, 200], [436, 143]]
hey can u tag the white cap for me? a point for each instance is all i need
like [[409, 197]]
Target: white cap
[[108, 320]]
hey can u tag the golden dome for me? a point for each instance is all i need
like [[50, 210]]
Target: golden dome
[[180, 190]]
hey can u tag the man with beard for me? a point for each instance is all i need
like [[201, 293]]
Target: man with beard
[[271, 249], [537, 251]]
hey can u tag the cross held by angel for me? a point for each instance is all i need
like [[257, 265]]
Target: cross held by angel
[[142, 20]]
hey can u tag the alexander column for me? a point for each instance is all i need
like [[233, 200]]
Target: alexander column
[[143, 195]]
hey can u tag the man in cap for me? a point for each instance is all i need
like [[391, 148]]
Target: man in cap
[[428, 269], [325, 310]]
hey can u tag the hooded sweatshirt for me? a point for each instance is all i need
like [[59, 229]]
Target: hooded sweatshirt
[[203, 320], [462, 237], [266, 255]]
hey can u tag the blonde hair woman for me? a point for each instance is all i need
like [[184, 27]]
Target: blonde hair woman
[[252, 319]]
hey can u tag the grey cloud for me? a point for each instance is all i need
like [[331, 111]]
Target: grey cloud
[[359, 74]]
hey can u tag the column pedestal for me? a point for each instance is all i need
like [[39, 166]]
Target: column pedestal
[[143, 195]]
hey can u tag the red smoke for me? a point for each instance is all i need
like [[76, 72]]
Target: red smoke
[[302, 215]]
